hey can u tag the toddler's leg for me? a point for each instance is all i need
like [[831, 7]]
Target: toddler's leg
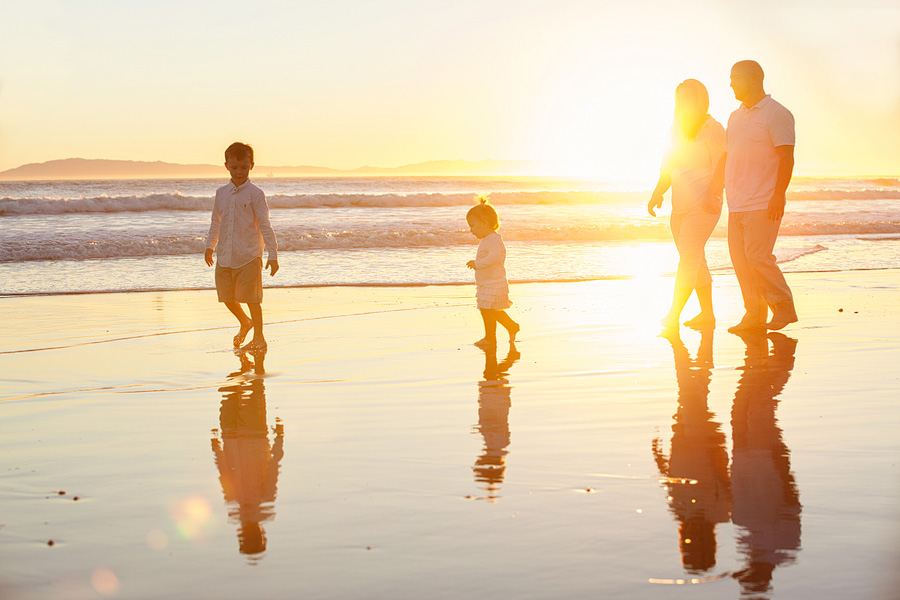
[[511, 326], [490, 328]]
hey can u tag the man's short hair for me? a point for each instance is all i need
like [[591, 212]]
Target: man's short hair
[[750, 67], [239, 150]]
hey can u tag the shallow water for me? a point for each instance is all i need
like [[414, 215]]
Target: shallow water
[[381, 455]]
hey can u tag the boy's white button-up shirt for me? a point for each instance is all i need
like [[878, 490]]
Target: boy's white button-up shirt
[[240, 226]]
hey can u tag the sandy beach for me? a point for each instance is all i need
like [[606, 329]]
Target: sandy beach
[[374, 452]]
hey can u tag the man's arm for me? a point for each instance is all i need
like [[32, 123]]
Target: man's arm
[[785, 171]]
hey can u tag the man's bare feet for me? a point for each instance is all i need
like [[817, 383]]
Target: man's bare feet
[[242, 333]]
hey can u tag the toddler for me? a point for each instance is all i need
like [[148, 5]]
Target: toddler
[[492, 289]]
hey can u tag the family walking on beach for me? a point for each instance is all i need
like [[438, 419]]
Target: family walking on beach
[[753, 160]]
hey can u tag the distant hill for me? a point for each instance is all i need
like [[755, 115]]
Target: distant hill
[[82, 168]]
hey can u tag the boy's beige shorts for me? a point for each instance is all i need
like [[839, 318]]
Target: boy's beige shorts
[[243, 284]]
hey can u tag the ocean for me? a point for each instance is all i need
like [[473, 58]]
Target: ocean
[[61, 237]]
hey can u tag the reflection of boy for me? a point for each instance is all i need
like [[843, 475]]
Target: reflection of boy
[[248, 465], [240, 228]]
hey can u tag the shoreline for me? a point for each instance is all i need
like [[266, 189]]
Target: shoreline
[[722, 271]]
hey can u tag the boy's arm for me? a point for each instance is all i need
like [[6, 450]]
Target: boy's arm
[[261, 210], [212, 238]]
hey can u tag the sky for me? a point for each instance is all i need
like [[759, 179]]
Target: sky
[[586, 85]]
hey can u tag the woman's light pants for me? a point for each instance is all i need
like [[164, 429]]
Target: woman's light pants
[[691, 231]]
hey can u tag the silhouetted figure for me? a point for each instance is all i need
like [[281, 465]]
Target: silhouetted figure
[[493, 420], [756, 170], [248, 464], [696, 469], [698, 142], [766, 500], [491, 286]]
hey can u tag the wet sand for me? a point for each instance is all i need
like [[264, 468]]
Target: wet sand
[[373, 452]]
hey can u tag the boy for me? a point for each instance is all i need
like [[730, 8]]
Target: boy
[[240, 227]]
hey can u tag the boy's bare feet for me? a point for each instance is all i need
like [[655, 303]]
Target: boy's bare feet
[[255, 344], [242, 333], [486, 343]]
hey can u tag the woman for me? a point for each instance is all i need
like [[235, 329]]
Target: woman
[[698, 144]]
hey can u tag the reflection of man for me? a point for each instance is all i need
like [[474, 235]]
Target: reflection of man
[[696, 470], [493, 419], [766, 499], [248, 466], [757, 168]]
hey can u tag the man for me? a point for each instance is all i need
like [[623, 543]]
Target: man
[[757, 168]]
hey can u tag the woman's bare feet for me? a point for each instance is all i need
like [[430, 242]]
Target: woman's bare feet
[[701, 321], [670, 321]]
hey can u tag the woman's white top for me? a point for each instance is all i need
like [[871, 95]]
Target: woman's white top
[[691, 164]]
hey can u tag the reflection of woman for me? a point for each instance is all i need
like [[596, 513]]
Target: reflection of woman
[[698, 143], [696, 470]]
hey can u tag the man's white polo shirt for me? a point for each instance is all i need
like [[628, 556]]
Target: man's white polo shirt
[[751, 167]]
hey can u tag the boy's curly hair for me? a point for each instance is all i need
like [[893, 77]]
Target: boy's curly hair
[[239, 150], [484, 211]]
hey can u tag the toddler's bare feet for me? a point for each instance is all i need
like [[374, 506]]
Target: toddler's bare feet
[[486, 343], [513, 331]]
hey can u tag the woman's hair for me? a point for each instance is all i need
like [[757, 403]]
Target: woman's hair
[[691, 108], [484, 211]]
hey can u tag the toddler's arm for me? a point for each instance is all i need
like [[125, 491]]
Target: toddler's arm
[[489, 253]]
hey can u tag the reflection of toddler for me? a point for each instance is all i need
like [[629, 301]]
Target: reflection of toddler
[[492, 289]]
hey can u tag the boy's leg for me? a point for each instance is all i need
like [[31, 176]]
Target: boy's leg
[[245, 321], [238, 312], [248, 290], [511, 326], [259, 341]]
